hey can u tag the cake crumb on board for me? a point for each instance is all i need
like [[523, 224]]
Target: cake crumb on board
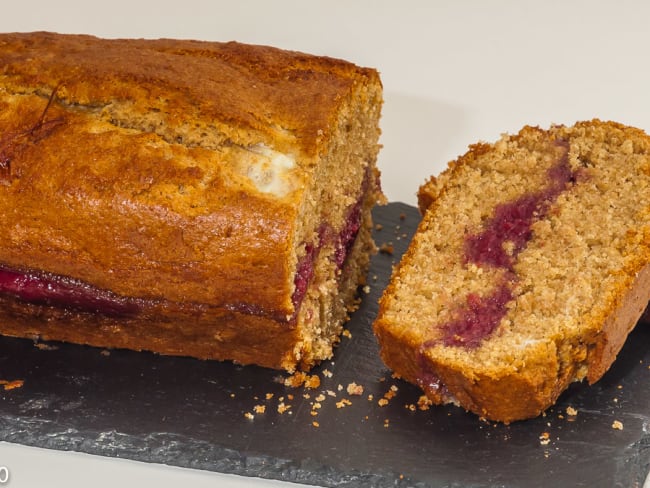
[[354, 389], [12, 384]]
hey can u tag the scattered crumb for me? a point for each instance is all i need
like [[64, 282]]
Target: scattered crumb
[[366, 289], [343, 403], [232, 395], [290, 396], [313, 413], [283, 407], [354, 389], [327, 373], [386, 422], [315, 424], [10, 385], [331, 393], [386, 249], [371, 397], [411, 407], [48, 347], [402, 216], [105, 352], [346, 332], [390, 394], [424, 403], [572, 412], [320, 398], [617, 424], [259, 408], [544, 438], [339, 387], [302, 379], [378, 227], [269, 396], [249, 416]]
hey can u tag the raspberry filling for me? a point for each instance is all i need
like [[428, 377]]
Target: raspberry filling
[[304, 274], [41, 288], [59, 291], [478, 319], [511, 224], [512, 221], [343, 243]]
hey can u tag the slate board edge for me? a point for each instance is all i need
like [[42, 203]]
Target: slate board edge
[[170, 449]]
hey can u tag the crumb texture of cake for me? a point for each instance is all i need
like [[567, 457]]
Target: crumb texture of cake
[[184, 197], [530, 267]]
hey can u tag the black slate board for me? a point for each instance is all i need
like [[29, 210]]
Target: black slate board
[[191, 413]]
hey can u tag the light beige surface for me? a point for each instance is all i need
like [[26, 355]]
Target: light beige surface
[[453, 73]]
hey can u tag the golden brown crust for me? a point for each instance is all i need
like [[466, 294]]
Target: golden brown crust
[[250, 94], [183, 173], [164, 243], [227, 86], [617, 326]]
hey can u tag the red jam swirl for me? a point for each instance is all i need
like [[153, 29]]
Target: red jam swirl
[[59, 291], [479, 317], [343, 243], [511, 223]]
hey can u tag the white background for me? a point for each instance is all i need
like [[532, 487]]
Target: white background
[[454, 73]]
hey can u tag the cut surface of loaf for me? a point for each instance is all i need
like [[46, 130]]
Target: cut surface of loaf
[[184, 197], [527, 272]]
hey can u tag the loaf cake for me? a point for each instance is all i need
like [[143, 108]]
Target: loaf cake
[[188, 198], [527, 272]]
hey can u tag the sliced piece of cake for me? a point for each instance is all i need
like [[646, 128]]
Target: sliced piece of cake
[[530, 267]]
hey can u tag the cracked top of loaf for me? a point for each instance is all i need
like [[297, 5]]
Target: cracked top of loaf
[[196, 92], [167, 168]]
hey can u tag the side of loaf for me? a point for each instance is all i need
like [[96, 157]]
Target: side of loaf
[[527, 272], [184, 197]]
